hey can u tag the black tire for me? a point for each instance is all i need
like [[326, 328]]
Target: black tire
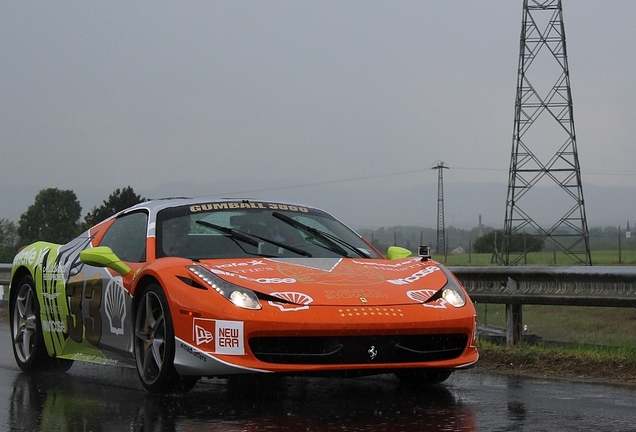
[[423, 377], [154, 345], [27, 339]]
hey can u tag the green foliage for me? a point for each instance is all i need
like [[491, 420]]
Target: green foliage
[[8, 240], [53, 217], [117, 201], [519, 243]]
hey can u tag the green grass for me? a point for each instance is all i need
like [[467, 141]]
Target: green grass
[[606, 364], [570, 324]]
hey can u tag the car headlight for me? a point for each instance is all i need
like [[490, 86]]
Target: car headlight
[[454, 296], [241, 297], [452, 292]]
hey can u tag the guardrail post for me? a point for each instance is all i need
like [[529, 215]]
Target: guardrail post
[[514, 317], [514, 324]]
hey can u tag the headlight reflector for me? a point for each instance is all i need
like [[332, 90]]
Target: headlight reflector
[[239, 296]]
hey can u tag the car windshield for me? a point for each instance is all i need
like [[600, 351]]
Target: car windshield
[[241, 229]]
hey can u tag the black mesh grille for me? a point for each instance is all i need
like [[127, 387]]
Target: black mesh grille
[[358, 349]]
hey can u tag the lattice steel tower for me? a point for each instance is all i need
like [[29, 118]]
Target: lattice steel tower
[[441, 228], [544, 122]]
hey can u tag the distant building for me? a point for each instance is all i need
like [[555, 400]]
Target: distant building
[[628, 233], [458, 250]]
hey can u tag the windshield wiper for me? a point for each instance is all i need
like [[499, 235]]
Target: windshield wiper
[[332, 242], [235, 234], [249, 238], [279, 244]]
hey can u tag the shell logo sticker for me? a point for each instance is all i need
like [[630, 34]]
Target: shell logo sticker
[[115, 305], [300, 301], [422, 296], [218, 336]]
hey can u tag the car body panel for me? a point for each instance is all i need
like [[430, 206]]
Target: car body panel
[[87, 312]]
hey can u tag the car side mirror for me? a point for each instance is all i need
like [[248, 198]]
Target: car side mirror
[[396, 252], [103, 256]]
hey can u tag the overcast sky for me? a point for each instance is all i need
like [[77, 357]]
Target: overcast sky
[[366, 94]]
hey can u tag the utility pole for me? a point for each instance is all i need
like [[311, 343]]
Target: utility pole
[[544, 152], [441, 229]]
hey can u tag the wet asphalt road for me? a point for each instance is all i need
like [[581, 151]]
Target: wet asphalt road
[[103, 398]]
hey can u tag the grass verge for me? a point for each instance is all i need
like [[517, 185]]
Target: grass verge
[[612, 364]]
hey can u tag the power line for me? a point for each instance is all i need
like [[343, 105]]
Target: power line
[[402, 173]]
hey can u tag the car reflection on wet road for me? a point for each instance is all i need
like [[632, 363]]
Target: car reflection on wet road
[[92, 398]]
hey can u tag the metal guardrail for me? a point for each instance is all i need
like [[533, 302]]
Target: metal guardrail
[[613, 286], [564, 286], [5, 273]]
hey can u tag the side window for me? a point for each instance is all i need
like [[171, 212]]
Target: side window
[[127, 237]]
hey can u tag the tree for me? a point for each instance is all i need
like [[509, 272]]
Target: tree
[[486, 243], [8, 240], [117, 201], [53, 217]]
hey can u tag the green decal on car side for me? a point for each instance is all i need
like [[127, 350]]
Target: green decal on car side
[[69, 312]]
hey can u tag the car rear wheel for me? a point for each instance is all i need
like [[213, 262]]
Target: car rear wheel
[[154, 345], [29, 349], [423, 377]]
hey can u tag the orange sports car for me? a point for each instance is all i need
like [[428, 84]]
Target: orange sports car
[[190, 288]]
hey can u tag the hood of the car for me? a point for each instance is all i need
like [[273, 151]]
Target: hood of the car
[[335, 281]]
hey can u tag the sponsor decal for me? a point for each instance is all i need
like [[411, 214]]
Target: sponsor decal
[[136, 274], [218, 336], [257, 280], [202, 335], [90, 358], [50, 296], [229, 339], [415, 276], [194, 352], [301, 301], [246, 205], [240, 264], [53, 309], [253, 266], [115, 305], [422, 296], [56, 273], [53, 326], [30, 257], [355, 293]]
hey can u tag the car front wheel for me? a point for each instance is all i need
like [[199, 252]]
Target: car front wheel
[[154, 345]]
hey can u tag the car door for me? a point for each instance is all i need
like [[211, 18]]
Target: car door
[[99, 303]]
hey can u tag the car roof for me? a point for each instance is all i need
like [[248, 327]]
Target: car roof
[[156, 205]]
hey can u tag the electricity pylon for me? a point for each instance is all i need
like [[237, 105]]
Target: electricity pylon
[[544, 123], [441, 229]]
